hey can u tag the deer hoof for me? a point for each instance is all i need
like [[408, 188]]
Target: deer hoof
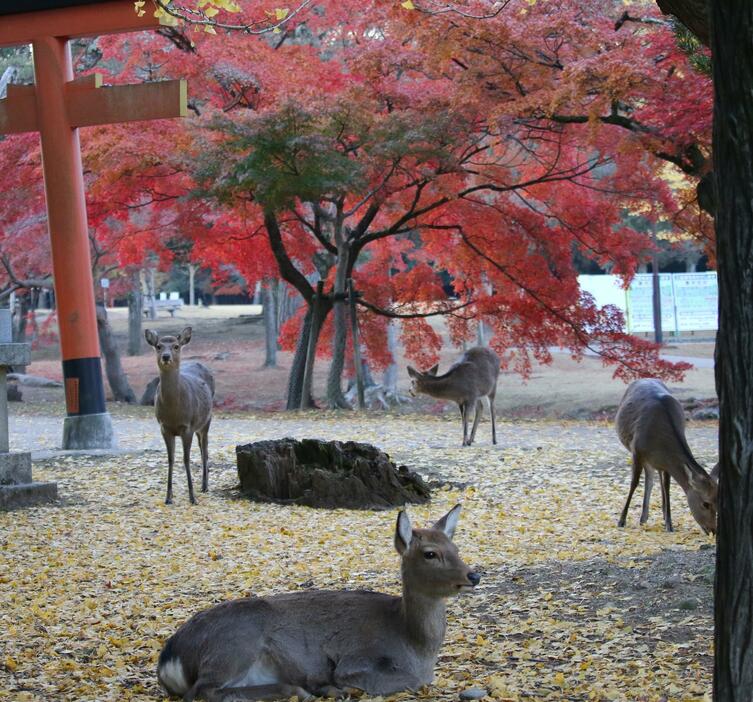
[[169, 501], [194, 501], [621, 524]]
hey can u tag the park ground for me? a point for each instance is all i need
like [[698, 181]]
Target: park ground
[[230, 340], [569, 608]]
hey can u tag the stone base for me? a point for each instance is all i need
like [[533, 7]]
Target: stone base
[[16, 488], [15, 468], [88, 431], [27, 495]]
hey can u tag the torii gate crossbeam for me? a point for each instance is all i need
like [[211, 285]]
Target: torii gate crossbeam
[[56, 106]]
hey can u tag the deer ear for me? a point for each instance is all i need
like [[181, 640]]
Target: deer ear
[[448, 523], [412, 372], [714, 474], [694, 479], [433, 370], [185, 336], [403, 532], [151, 337]]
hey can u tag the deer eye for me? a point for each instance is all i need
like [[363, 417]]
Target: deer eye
[[707, 505], [176, 347], [158, 347], [429, 555]]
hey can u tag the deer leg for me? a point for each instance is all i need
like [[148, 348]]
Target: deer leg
[[464, 419], [170, 445], [491, 412], [203, 438], [648, 474], [187, 438], [476, 419], [637, 470], [665, 483]]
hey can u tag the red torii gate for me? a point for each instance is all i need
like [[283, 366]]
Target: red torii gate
[[56, 106]]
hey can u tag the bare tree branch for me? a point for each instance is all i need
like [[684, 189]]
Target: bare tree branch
[[413, 315], [199, 17]]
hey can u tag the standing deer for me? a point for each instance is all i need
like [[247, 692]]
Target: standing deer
[[183, 405], [651, 425], [324, 642], [473, 376]]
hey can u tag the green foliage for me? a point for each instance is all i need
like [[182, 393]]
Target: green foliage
[[288, 155], [697, 53], [311, 155], [18, 57]]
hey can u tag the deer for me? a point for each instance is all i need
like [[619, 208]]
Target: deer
[[183, 405], [473, 376], [319, 643], [650, 423]]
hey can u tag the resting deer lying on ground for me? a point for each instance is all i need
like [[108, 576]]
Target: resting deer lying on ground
[[323, 642], [183, 405], [651, 425], [473, 376]]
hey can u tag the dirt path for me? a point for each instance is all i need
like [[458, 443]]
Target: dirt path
[[230, 341]]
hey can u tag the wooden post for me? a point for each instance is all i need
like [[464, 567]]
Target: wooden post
[[191, 276], [56, 106], [356, 345], [311, 348], [656, 299]]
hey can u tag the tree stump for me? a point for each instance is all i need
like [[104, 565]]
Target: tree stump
[[150, 392], [326, 474]]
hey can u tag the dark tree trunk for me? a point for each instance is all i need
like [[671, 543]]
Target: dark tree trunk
[[116, 377], [297, 370], [335, 397], [269, 308], [732, 48], [31, 315], [694, 14], [389, 379], [135, 317], [295, 379]]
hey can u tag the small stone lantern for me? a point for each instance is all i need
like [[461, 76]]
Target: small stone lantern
[[16, 486]]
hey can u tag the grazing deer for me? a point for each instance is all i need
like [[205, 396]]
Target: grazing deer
[[651, 425], [473, 376], [322, 642], [183, 405]]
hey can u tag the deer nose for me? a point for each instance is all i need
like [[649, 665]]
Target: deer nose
[[165, 357], [475, 578]]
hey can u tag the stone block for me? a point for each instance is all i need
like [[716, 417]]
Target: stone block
[[27, 495], [15, 354], [88, 431], [15, 468]]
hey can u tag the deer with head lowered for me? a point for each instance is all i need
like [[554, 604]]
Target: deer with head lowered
[[472, 377], [183, 405], [651, 425], [324, 643]]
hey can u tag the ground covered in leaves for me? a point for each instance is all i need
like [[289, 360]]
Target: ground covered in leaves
[[569, 608]]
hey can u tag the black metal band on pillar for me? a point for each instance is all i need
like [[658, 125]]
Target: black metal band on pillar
[[84, 390]]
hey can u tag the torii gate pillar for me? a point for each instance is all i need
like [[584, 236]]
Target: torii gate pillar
[[56, 107]]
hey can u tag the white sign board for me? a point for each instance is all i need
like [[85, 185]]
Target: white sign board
[[104, 282], [641, 303], [696, 300], [688, 300]]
